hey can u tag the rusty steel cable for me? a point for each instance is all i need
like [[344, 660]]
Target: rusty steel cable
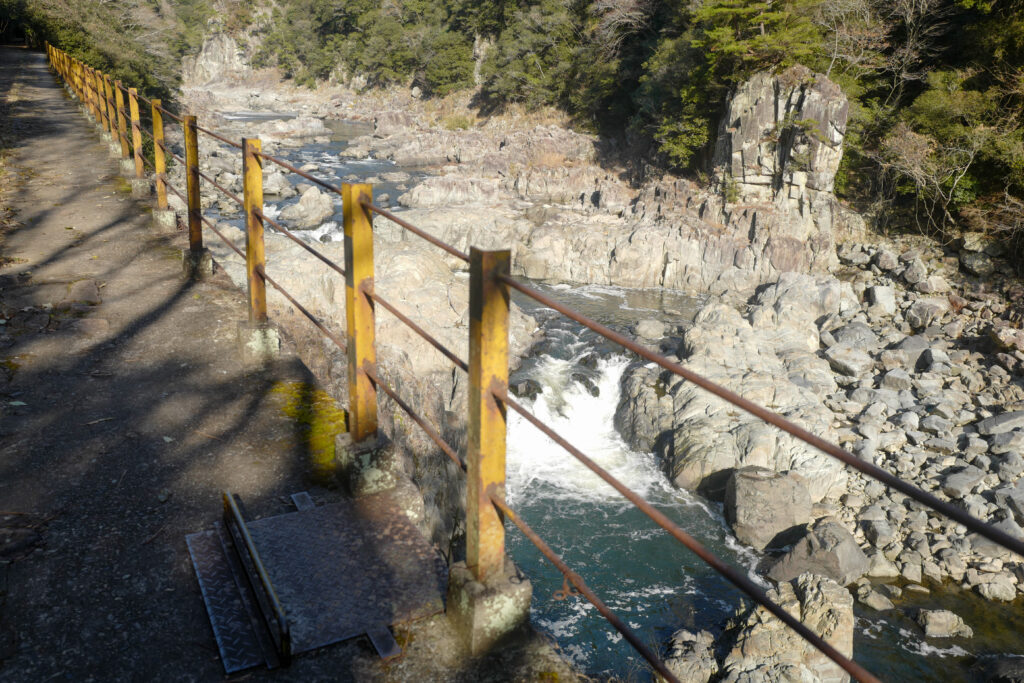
[[736, 578], [147, 164], [311, 178], [219, 137], [298, 240], [870, 469], [461, 364], [230, 195], [370, 206], [175, 190], [424, 425], [166, 149], [177, 118], [302, 309], [585, 590], [219, 234]]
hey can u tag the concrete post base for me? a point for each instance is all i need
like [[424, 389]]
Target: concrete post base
[[141, 188], [196, 266], [105, 137], [115, 149], [128, 167], [371, 465], [165, 219], [485, 614], [258, 343]]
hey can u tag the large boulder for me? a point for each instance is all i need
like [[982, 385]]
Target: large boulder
[[767, 650], [276, 184], [941, 623], [691, 657], [829, 550], [770, 358], [312, 209], [765, 507]]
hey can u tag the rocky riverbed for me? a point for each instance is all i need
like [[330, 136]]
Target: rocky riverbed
[[906, 352]]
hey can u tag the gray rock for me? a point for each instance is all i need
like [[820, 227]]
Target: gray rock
[[1011, 467], [999, 587], [1005, 442], [993, 550], [765, 649], [906, 420], [650, 329], [858, 335], [764, 507], [931, 356], [915, 272], [848, 360], [925, 312], [886, 260], [879, 533], [933, 424], [873, 599], [959, 484], [313, 208], [977, 263], [913, 347], [933, 284], [999, 424], [882, 297], [941, 623], [897, 379], [829, 550], [691, 657]]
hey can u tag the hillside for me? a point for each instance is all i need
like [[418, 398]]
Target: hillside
[[934, 142]]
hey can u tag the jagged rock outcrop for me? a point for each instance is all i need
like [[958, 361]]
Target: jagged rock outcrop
[[769, 357], [219, 59], [765, 649], [782, 135]]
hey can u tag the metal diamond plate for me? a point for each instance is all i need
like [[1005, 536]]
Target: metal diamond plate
[[237, 641], [345, 569]]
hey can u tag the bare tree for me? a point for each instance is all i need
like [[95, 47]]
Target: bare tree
[[856, 35], [617, 20]]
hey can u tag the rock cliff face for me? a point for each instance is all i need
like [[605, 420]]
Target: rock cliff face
[[772, 211], [783, 135], [219, 58]]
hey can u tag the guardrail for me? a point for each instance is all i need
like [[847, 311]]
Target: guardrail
[[487, 368]]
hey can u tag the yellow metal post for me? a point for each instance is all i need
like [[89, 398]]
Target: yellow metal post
[[122, 125], [359, 314], [252, 171], [102, 102], [488, 377], [133, 106], [159, 161], [195, 211], [90, 95], [108, 92]]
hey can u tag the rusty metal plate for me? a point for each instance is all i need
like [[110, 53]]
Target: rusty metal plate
[[237, 640], [347, 569]]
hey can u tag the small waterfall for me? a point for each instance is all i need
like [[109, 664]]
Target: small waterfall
[[643, 574]]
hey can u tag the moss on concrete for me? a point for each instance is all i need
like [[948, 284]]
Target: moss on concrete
[[317, 417]]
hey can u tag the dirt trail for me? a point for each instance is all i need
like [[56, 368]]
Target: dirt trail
[[124, 411]]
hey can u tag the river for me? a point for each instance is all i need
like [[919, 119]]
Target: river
[[654, 584]]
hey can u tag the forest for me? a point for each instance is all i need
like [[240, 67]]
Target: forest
[[936, 133]]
